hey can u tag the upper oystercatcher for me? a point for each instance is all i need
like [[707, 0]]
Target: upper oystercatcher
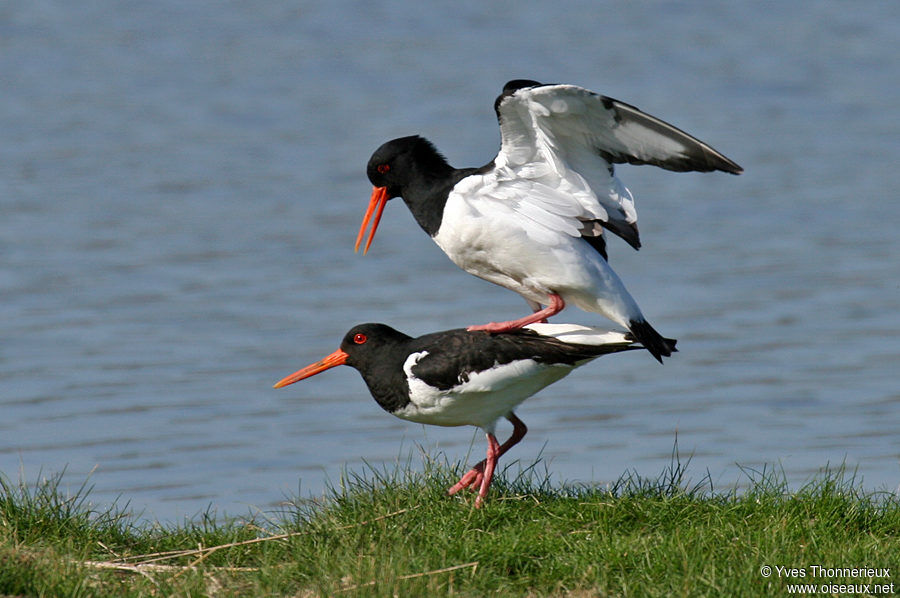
[[532, 219], [460, 377]]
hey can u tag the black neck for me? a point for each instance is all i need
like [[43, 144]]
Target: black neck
[[426, 195], [383, 373]]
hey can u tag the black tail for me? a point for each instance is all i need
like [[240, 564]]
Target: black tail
[[653, 341]]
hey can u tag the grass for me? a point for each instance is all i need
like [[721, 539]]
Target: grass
[[394, 533]]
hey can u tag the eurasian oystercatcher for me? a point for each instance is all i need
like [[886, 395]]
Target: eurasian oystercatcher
[[532, 219], [461, 377]]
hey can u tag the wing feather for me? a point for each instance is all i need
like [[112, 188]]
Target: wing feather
[[572, 116], [558, 147]]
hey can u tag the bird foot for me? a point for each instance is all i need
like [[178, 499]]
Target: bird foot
[[495, 327], [556, 305], [471, 480]]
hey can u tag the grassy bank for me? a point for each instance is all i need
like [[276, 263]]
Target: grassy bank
[[395, 533]]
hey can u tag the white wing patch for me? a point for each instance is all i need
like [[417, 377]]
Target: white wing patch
[[576, 118], [581, 335], [548, 160], [508, 204]]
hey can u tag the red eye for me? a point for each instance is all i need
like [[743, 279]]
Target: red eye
[[359, 338], [383, 168]]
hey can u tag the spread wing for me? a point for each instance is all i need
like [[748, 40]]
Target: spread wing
[[567, 118], [566, 139]]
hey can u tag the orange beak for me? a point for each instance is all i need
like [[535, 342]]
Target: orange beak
[[335, 359], [379, 200]]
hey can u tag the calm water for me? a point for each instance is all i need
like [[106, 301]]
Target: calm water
[[181, 184]]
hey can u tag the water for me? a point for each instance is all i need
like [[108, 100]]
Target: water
[[181, 184]]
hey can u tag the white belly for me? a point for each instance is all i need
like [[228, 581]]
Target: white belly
[[496, 244], [480, 401]]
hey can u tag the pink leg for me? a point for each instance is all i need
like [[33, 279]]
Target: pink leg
[[493, 453], [556, 305], [536, 307], [476, 476]]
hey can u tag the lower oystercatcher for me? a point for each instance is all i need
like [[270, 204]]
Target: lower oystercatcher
[[532, 219], [461, 377]]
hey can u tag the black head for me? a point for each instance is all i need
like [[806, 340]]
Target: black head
[[399, 161], [411, 168], [364, 343], [367, 347], [510, 88]]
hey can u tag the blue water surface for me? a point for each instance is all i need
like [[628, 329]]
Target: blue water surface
[[181, 185]]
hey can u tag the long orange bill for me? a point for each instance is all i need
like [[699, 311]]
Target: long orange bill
[[379, 200], [335, 359]]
